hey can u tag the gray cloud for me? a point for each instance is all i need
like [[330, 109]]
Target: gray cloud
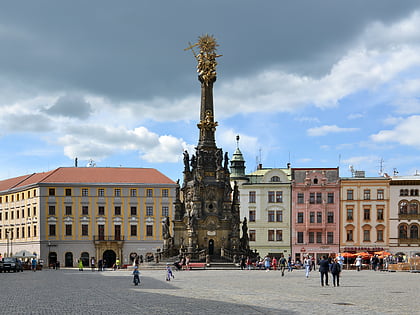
[[71, 106]]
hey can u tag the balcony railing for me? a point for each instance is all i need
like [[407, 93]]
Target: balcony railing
[[409, 240], [108, 238], [409, 216]]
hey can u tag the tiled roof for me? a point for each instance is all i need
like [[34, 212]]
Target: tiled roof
[[92, 175]]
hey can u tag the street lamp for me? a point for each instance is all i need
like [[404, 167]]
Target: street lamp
[[7, 241]]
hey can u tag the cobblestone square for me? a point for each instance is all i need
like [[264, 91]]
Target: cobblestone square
[[69, 291]]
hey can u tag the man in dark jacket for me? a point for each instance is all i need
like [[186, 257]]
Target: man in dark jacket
[[323, 269]]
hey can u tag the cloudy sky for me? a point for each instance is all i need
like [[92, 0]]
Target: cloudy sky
[[314, 83]]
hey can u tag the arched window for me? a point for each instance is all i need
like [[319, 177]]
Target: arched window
[[414, 207], [85, 259], [403, 207], [402, 231], [275, 179], [315, 180], [414, 232]]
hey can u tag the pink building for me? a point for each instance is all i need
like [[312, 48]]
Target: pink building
[[315, 212]]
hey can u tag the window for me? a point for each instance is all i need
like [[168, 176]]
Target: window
[[380, 214], [312, 198], [403, 207], [319, 217], [330, 217], [51, 192], [330, 237], [279, 216], [252, 235], [117, 210], [349, 235], [330, 197], [349, 194], [101, 231], [380, 195], [403, 192], [34, 230], [165, 211], [85, 229], [271, 196], [133, 210], [366, 214], [85, 192], [271, 235], [275, 179], [251, 215], [311, 217], [17, 214], [380, 235], [300, 198], [23, 214], [318, 198], [279, 196], [414, 207], [12, 215], [252, 197], [165, 193], [101, 192], [117, 232], [101, 210], [68, 210], [17, 233], [117, 192], [414, 232], [133, 230], [366, 194], [85, 210], [68, 229], [279, 235], [270, 216], [29, 211], [402, 231], [311, 237], [319, 237], [29, 231], [133, 192], [68, 191], [366, 235], [34, 212], [149, 192], [51, 229], [149, 211], [23, 232], [149, 230], [300, 217], [51, 210], [300, 237]]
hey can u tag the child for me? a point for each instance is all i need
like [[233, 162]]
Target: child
[[136, 274], [169, 273]]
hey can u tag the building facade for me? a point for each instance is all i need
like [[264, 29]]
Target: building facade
[[404, 216], [266, 205], [315, 212], [364, 214], [72, 213]]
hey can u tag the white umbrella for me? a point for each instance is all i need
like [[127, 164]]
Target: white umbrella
[[24, 254]]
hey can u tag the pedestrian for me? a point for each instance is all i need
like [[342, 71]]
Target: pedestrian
[[117, 264], [92, 263], [243, 262], [282, 264], [249, 263], [274, 263], [359, 263], [169, 273], [80, 264], [340, 260], [289, 263], [335, 271], [323, 269], [307, 263], [267, 263], [100, 266], [33, 264]]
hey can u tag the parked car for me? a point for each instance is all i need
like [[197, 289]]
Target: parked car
[[10, 263]]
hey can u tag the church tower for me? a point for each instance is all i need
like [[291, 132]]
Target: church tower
[[206, 218]]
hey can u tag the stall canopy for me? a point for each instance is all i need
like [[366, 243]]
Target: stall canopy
[[24, 254]]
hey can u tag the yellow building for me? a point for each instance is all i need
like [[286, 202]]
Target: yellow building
[[88, 212], [364, 214]]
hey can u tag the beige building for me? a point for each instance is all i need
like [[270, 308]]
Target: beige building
[[71, 213], [364, 214], [404, 216]]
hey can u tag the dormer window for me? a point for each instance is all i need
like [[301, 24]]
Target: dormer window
[[315, 181], [275, 179]]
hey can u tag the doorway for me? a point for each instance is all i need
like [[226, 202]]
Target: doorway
[[52, 259], [109, 258], [211, 247], [68, 259]]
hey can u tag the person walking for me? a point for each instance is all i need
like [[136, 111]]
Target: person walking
[[80, 264], [307, 264], [289, 263], [169, 273], [267, 263], [92, 263], [33, 264], [359, 263], [335, 271], [282, 264], [274, 263], [323, 270]]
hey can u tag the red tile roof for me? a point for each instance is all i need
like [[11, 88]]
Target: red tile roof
[[92, 175]]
